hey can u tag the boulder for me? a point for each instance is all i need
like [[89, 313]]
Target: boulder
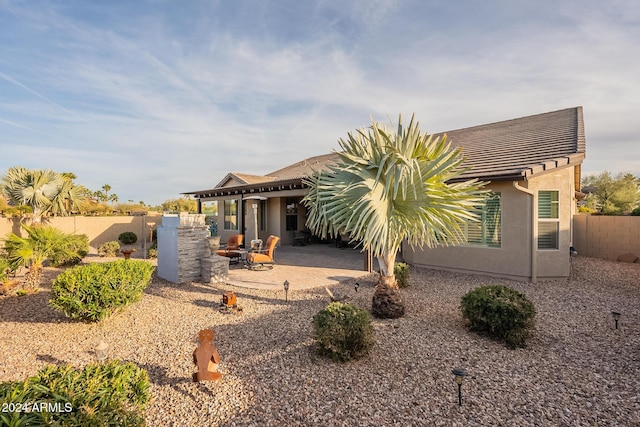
[[628, 257]]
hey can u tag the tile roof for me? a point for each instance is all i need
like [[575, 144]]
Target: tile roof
[[508, 150], [305, 167], [246, 178], [519, 148]]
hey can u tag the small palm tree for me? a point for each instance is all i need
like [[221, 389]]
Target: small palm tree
[[42, 242], [388, 187]]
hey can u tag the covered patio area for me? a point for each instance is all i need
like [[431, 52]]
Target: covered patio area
[[304, 267]]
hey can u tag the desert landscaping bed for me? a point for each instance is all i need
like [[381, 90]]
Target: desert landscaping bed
[[577, 369]]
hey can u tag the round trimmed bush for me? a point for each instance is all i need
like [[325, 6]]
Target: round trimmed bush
[[128, 238], [500, 312], [110, 249], [343, 331]]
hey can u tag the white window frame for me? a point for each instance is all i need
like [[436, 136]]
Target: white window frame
[[549, 218], [232, 227]]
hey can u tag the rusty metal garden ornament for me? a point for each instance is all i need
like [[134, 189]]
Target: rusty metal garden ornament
[[229, 303], [206, 358]]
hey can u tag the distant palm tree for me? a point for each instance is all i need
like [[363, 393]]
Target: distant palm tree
[[106, 189], [34, 188], [388, 186]]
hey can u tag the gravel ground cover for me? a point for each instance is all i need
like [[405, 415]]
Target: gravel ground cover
[[578, 370]]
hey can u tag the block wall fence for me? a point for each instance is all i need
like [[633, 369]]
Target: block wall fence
[[99, 229], [606, 237]]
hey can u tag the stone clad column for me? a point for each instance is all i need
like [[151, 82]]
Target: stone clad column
[[182, 244]]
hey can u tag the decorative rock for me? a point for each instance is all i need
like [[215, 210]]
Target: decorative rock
[[334, 296], [628, 257]]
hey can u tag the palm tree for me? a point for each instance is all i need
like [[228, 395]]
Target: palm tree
[[35, 188], [106, 189], [390, 186], [42, 242], [70, 198]]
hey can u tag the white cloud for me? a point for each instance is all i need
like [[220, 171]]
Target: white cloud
[[171, 100]]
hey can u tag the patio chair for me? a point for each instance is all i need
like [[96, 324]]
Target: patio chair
[[265, 256], [299, 238], [233, 244]]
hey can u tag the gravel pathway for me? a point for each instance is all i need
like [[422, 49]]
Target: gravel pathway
[[578, 370]]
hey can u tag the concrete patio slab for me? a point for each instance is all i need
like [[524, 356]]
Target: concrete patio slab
[[304, 267]]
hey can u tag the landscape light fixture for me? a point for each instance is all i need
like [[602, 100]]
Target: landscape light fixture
[[356, 286], [460, 374], [616, 316], [102, 351], [286, 290]]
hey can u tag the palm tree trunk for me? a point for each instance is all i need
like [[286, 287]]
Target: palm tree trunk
[[387, 302], [32, 278]]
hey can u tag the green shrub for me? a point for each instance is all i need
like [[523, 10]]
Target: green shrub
[[401, 272], [109, 249], [343, 331], [110, 394], [93, 292], [4, 270], [128, 238], [77, 248], [152, 252], [586, 209], [635, 212], [500, 312]]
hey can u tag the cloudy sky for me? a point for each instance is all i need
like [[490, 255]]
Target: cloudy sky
[[158, 97]]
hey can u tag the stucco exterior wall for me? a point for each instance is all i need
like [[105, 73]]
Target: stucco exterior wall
[[516, 256], [512, 259], [275, 217], [554, 263], [606, 236]]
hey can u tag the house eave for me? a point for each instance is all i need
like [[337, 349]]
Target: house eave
[[489, 175], [266, 187], [524, 173]]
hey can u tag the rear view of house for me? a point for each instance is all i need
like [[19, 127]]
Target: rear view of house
[[531, 165]]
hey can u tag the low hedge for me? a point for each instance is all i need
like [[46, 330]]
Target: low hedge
[[93, 292], [101, 394]]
